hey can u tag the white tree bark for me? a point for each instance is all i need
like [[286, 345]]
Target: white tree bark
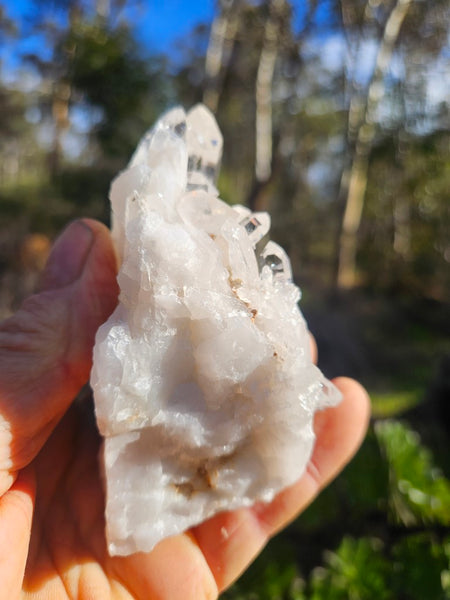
[[220, 47], [264, 81], [354, 182]]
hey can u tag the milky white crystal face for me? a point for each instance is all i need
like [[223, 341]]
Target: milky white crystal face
[[203, 382]]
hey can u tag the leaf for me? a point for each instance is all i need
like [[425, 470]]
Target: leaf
[[421, 568], [356, 571], [419, 490], [273, 576]]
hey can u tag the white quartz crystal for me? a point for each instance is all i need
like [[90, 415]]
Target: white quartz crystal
[[203, 382]]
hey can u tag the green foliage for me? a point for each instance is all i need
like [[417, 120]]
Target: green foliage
[[73, 183], [388, 404], [356, 571], [275, 576], [420, 567], [415, 568], [108, 69], [418, 490], [405, 232], [12, 108]]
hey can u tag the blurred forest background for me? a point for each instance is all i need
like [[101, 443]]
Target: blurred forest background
[[336, 117]]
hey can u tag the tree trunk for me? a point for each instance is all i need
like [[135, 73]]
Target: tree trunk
[[220, 47], [354, 181], [264, 81], [60, 114], [61, 95]]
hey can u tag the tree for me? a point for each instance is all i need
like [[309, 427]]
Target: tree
[[108, 72], [397, 39], [354, 178], [220, 48], [264, 83]]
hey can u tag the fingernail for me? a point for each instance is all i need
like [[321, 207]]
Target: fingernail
[[68, 256]]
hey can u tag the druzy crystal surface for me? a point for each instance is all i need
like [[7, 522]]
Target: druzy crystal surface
[[203, 382]]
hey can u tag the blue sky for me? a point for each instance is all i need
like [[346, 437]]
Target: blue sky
[[159, 23], [164, 21]]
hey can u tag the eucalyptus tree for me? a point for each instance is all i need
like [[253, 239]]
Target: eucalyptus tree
[[390, 97], [94, 61]]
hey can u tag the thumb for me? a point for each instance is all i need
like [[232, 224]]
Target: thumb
[[46, 347]]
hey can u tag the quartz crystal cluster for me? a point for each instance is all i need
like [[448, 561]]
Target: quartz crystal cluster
[[203, 382]]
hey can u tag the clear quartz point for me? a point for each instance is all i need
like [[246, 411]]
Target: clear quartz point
[[174, 120], [204, 142], [204, 386], [257, 226], [274, 257]]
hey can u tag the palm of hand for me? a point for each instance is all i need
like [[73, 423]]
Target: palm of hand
[[67, 556]]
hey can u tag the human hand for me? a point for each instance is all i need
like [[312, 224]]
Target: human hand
[[52, 542]]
